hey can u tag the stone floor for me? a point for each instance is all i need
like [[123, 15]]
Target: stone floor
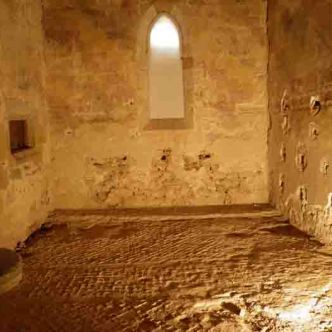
[[176, 270]]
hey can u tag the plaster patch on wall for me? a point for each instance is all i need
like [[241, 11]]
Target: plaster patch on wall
[[203, 159], [214, 181], [228, 184], [110, 179]]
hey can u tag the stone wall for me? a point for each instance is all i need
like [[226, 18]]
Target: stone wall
[[103, 153], [300, 93], [24, 195]]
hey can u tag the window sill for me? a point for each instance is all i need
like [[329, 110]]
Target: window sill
[[23, 155], [167, 124]]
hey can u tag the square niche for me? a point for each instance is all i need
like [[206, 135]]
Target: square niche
[[19, 136]]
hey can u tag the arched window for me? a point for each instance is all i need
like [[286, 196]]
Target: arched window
[[165, 71]]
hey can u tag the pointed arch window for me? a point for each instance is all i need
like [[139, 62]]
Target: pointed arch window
[[166, 92]]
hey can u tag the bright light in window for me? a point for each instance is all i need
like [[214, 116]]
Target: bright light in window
[[164, 35]]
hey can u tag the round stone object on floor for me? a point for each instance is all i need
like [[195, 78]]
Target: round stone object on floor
[[10, 270]]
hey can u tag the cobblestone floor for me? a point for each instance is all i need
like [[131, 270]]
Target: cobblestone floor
[[171, 272]]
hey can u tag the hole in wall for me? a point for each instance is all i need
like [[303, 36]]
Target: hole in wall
[[324, 166], [166, 154], [283, 152], [302, 194], [19, 136], [281, 183], [285, 125], [203, 156], [284, 103], [69, 131], [313, 131], [315, 105], [301, 162], [301, 157]]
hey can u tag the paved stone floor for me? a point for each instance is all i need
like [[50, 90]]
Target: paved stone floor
[[178, 271]]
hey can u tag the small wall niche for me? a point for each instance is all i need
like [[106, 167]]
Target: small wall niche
[[19, 136]]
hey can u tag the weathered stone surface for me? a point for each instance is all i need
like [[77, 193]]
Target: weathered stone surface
[[24, 189], [10, 270], [97, 152], [300, 36], [97, 93], [193, 272]]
